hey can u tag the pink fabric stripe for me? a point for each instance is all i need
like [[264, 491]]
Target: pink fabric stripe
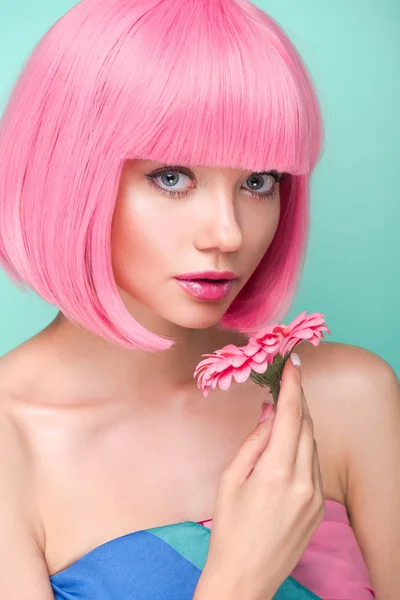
[[332, 565]]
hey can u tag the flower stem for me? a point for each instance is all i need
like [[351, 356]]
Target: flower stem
[[272, 376]]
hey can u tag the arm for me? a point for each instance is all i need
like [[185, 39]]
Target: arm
[[23, 571], [370, 425]]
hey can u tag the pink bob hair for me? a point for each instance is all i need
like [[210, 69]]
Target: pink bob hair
[[196, 82]]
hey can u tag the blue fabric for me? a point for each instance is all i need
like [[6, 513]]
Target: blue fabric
[[138, 566], [162, 563]]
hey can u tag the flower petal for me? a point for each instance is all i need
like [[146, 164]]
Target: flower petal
[[260, 357], [252, 348], [297, 320], [238, 361], [225, 380], [242, 374], [259, 368]]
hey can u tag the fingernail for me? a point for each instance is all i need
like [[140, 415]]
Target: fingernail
[[295, 358], [266, 412]]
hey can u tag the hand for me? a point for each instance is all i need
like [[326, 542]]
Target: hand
[[270, 501]]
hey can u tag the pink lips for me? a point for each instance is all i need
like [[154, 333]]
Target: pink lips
[[207, 285]]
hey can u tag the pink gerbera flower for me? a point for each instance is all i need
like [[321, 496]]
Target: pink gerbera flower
[[303, 327], [263, 358], [229, 362]]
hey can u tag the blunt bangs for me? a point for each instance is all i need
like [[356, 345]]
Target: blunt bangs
[[226, 93]]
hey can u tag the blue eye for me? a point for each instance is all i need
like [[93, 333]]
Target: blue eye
[[170, 177], [257, 181]]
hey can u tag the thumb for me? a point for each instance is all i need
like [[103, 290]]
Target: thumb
[[251, 449]]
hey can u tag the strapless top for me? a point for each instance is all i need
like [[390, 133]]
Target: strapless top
[[160, 564]]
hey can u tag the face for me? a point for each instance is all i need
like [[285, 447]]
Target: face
[[170, 221]]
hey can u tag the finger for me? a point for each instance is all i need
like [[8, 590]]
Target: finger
[[317, 473], [288, 422], [306, 447], [318, 481], [249, 453], [307, 456], [318, 484]]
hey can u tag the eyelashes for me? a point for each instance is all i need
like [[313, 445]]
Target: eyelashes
[[151, 177]]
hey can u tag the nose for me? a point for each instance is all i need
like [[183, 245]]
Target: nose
[[219, 226]]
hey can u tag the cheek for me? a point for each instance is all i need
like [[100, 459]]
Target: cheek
[[261, 228], [140, 239]]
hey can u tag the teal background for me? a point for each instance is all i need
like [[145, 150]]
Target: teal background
[[352, 269]]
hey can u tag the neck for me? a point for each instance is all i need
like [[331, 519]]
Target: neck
[[100, 369]]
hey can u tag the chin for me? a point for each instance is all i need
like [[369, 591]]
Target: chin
[[200, 319], [197, 323]]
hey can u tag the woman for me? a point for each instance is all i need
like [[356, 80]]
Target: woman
[[145, 143]]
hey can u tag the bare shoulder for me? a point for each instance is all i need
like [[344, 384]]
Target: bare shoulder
[[16, 450], [346, 357], [17, 367], [17, 465], [343, 382], [346, 376], [356, 396], [23, 570]]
